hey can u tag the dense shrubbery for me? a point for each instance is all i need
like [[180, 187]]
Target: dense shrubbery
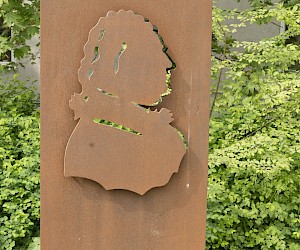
[[19, 164], [254, 162]]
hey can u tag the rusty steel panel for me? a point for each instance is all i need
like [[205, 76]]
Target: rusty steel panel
[[149, 197]]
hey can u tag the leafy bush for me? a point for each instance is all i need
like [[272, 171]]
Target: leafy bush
[[254, 162], [35, 244], [22, 18], [19, 163]]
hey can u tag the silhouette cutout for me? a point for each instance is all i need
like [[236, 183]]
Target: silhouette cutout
[[119, 142]]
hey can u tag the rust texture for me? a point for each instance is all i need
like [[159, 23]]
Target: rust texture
[[78, 213], [124, 67]]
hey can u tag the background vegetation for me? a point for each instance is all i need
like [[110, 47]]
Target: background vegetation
[[20, 21], [19, 130], [19, 164], [254, 161]]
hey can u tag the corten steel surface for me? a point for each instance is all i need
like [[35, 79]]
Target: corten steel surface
[[115, 82], [78, 213]]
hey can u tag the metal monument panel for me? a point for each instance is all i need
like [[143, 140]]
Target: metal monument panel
[[124, 124]]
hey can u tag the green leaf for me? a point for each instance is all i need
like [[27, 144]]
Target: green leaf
[[11, 18]]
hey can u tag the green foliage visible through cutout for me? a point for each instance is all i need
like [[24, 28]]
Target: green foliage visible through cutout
[[117, 126], [186, 145], [90, 73], [96, 54], [102, 33], [117, 59], [106, 93]]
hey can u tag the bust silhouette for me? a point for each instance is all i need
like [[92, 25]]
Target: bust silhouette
[[118, 142]]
